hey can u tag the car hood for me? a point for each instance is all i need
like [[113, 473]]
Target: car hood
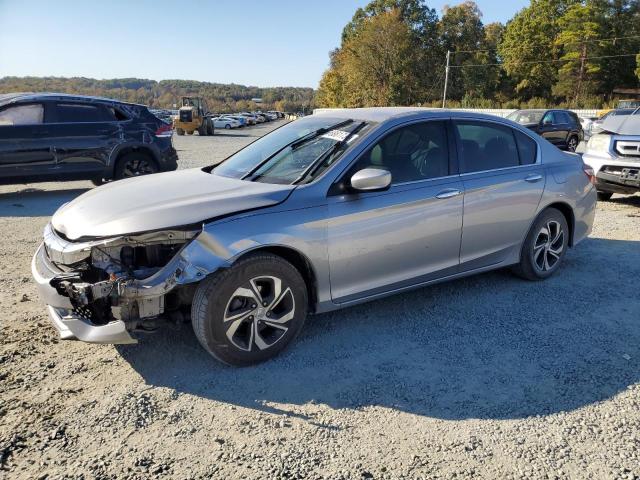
[[622, 124], [163, 200]]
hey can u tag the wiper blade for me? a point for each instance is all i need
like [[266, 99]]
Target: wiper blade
[[317, 133], [295, 144], [334, 148]]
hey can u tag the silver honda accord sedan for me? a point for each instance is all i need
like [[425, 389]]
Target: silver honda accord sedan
[[341, 207]]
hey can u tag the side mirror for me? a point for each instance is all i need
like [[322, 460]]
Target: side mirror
[[371, 180]]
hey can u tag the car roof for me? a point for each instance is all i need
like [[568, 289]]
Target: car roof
[[40, 96], [381, 114]]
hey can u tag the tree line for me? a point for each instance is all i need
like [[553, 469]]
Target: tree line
[[571, 53], [164, 94]]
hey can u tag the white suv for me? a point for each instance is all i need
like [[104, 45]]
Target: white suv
[[614, 156]]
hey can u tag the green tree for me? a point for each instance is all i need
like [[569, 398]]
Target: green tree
[[577, 75], [377, 64], [528, 49], [462, 32]]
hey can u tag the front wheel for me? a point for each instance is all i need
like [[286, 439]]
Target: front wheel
[[250, 312], [227, 126], [545, 246]]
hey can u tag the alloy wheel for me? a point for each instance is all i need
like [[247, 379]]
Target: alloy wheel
[[258, 312], [573, 144], [548, 247], [136, 167]]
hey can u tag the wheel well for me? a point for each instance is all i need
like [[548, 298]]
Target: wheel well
[[301, 263], [567, 211]]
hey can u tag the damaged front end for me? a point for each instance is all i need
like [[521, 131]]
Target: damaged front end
[[101, 290]]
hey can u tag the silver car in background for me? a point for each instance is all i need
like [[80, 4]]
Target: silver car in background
[[337, 208]]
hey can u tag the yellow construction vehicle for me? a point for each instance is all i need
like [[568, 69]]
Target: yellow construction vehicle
[[193, 116]]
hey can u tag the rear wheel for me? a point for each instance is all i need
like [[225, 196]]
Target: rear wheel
[[227, 126], [179, 131], [545, 246], [210, 127], [250, 312], [135, 164], [604, 196], [572, 143]]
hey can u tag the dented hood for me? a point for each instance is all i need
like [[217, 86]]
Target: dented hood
[[163, 200]]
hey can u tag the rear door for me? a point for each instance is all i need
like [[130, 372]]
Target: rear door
[[83, 136], [25, 146], [550, 128], [503, 183], [564, 127]]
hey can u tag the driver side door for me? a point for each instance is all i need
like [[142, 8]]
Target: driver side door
[[408, 234]]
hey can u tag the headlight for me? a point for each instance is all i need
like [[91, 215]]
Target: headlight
[[599, 143]]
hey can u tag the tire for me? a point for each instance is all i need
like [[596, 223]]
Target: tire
[[604, 196], [97, 181], [202, 131], [179, 131], [572, 143], [210, 127], [227, 126], [545, 246], [233, 293], [135, 164]]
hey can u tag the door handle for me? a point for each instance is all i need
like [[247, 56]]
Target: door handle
[[448, 193], [534, 177]]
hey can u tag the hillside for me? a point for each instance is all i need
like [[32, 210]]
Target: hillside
[[163, 94]]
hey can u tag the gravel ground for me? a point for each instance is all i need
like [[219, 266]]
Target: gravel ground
[[486, 377]]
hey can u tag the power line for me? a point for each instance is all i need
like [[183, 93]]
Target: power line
[[542, 61], [579, 42]]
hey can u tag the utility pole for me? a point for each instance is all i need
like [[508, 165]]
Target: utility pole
[[446, 79]]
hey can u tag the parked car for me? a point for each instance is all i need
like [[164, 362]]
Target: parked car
[[340, 207], [596, 127], [225, 122], [239, 118], [560, 127], [614, 155], [50, 136], [251, 120]]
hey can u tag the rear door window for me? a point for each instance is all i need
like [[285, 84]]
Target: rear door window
[[81, 113], [563, 117], [32, 114], [485, 146]]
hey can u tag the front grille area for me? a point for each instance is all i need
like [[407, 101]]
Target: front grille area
[[628, 148]]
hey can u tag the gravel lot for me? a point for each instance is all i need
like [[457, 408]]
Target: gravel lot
[[486, 377]]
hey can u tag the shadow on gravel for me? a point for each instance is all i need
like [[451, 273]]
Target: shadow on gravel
[[490, 346], [33, 202], [631, 200]]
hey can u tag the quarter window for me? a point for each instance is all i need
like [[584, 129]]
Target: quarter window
[[22, 115], [526, 148], [79, 113], [415, 152], [485, 146]]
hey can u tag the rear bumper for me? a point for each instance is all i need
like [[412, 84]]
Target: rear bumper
[[627, 180], [69, 324]]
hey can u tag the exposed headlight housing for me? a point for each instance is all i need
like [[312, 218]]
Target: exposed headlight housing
[[599, 143]]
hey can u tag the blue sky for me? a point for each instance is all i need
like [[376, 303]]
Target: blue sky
[[250, 42]]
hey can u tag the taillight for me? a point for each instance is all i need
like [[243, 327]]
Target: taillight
[[164, 130], [588, 171]]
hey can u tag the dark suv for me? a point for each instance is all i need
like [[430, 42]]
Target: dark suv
[[48, 136], [560, 127]]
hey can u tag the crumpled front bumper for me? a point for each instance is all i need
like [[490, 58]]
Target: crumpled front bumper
[[71, 325]]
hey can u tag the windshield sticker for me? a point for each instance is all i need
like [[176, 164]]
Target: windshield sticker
[[337, 135]]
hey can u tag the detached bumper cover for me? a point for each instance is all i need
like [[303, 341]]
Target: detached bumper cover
[[70, 325]]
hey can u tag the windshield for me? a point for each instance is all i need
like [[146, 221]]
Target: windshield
[[526, 116], [280, 158]]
